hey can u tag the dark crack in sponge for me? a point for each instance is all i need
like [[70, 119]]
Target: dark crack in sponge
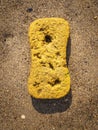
[[49, 76]]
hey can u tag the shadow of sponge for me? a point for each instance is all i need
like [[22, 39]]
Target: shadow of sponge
[[49, 106]]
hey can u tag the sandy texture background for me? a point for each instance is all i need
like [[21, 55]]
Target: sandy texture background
[[77, 111]]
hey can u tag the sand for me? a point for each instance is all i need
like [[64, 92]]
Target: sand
[[77, 111]]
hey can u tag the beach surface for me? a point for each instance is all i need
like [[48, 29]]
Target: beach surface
[[76, 111]]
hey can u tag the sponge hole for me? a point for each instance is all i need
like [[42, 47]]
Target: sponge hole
[[48, 38], [51, 66], [39, 91]]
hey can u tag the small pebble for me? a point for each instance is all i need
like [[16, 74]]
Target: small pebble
[[95, 17], [7, 90], [22, 116], [29, 10]]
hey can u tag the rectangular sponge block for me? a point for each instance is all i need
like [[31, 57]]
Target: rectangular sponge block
[[49, 76]]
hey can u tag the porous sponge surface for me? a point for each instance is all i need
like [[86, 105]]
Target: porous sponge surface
[[49, 76]]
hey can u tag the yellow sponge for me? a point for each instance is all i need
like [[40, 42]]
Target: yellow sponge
[[49, 76]]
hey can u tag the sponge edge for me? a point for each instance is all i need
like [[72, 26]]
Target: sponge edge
[[49, 76]]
